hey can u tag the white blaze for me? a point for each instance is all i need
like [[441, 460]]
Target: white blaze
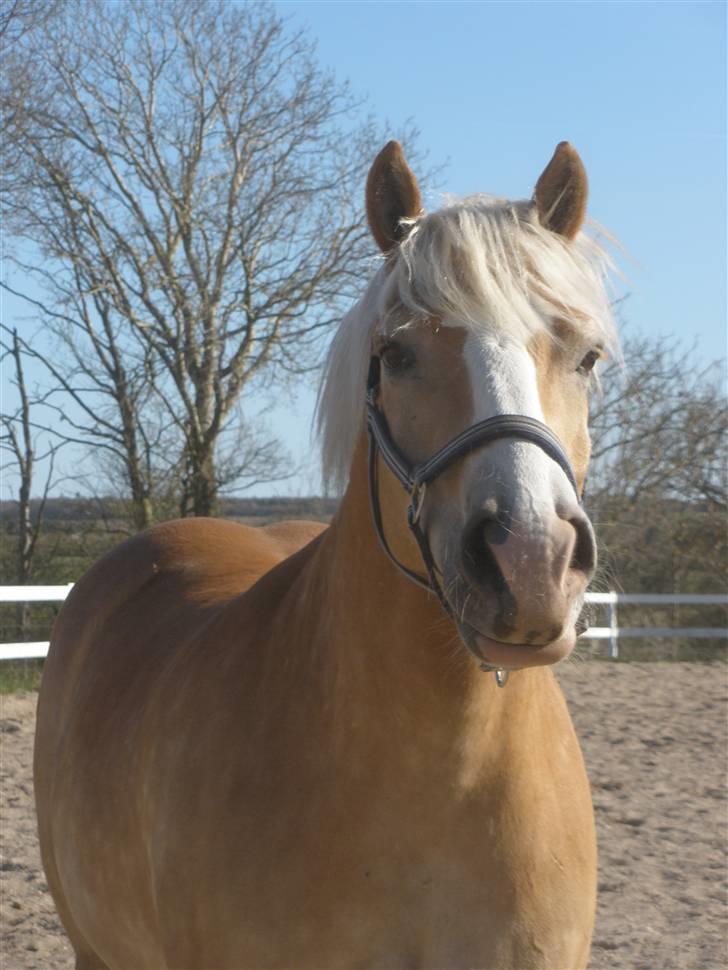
[[503, 381]]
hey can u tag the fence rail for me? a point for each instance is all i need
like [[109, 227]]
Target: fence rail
[[34, 594], [613, 632]]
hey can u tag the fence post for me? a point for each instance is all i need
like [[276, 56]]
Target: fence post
[[613, 628]]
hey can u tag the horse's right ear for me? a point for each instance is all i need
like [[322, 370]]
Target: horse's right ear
[[392, 195]]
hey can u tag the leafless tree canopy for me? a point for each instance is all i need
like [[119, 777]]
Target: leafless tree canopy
[[659, 424], [187, 188], [657, 486], [20, 17]]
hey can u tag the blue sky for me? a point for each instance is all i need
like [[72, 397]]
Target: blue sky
[[638, 88]]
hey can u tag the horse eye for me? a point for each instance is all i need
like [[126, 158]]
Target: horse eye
[[396, 358], [588, 362]]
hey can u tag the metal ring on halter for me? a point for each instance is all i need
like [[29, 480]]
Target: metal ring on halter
[[417, 501]]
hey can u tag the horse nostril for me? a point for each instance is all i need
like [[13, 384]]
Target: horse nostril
[[584, 556], [478, 559]]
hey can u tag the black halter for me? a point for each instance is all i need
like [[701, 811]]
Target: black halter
[[415, 479]]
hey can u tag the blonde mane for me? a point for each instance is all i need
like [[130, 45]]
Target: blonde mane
[[480, 261]]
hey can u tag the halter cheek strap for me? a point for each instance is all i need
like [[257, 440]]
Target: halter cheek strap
[[416, 478]]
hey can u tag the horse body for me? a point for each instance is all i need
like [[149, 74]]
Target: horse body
[[306, 799], [272, 749]]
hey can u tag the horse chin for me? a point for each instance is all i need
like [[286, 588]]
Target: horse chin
[[515, 656]]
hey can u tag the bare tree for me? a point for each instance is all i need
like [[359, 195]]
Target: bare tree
[[657, 486], [191, 185], [101, 396], [659, 424], [19, 442]]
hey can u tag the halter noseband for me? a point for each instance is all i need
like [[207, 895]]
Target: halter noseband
[[416, 478]]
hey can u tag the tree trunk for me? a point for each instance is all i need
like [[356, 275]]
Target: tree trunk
[[199, 495], [24, 564], [143, 511]]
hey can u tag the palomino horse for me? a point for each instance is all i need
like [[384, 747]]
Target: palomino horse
[[282, 748]]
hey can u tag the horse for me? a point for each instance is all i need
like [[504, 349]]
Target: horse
[[344, 746]]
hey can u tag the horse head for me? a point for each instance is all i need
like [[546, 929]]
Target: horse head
[[479, 335]]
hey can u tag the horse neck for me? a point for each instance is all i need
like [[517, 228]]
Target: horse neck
[[397, 662]]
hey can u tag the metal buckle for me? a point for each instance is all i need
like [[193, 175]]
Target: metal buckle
[[417, 499]]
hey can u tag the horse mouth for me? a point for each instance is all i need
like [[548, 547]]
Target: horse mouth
[[514, 656]]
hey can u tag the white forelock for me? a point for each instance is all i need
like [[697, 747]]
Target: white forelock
[[484, 262]]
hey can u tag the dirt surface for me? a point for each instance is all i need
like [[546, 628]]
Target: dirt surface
[[31, 937], [655, 738]]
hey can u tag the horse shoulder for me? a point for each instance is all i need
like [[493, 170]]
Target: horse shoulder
[[212, 559], [292, 535]]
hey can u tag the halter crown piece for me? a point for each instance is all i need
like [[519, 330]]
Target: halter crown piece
[[416, 478]]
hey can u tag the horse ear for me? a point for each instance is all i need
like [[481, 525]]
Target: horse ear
[[392, 195], [561, 192]]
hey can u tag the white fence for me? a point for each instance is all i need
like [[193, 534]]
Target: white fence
[[29, 594], [613, 632], [49, 594]]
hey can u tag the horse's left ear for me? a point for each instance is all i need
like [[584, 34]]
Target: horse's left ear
[[561, 192], [392, 195]]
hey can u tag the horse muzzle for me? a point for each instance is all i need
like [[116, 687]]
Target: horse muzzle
[[516, 591]]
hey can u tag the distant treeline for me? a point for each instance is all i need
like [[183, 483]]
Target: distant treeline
[[60, 511]]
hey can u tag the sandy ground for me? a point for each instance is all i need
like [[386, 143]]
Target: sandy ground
[[655, 739]]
